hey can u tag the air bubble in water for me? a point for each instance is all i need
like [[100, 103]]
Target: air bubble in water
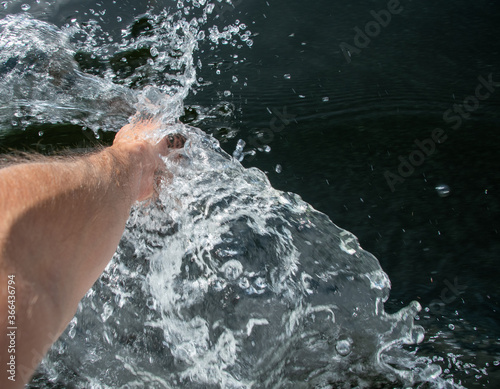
[[235, 79], [150, 303], [227, 93], [278, 168], [287, 76], [25, 7], [343, 347], [232, 269], [325, 99], [451, 327], [40, 133], [443, 190]]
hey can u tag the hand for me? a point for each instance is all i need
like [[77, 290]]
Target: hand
[[136, 142]]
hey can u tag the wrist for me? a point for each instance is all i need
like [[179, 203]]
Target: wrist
[[134, 166]]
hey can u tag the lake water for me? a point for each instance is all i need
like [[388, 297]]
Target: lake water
[[383, 116]]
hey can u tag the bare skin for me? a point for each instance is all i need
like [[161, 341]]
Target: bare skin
[[60, 224]]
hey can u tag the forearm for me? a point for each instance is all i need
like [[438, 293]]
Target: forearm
[[65, 217], [62, 222]]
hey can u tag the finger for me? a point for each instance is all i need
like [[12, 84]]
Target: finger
[[172, 141], [176, 141]]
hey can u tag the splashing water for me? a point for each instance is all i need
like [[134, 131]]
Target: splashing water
[[41, 82], [224, 281]]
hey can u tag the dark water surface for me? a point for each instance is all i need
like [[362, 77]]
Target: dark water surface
[[336, 126]]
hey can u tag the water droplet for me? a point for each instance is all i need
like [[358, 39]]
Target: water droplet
[[107, 312], [417, 334], [431, 372], [25, 7], [244, 283], [287, 76], [343, 347], [261, 283], [443, 190], [278, 168], [240, 145], [72, 329]]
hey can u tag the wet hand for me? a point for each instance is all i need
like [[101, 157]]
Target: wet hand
[[137, 144]]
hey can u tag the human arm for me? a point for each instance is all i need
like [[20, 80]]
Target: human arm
[[60, 224]]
